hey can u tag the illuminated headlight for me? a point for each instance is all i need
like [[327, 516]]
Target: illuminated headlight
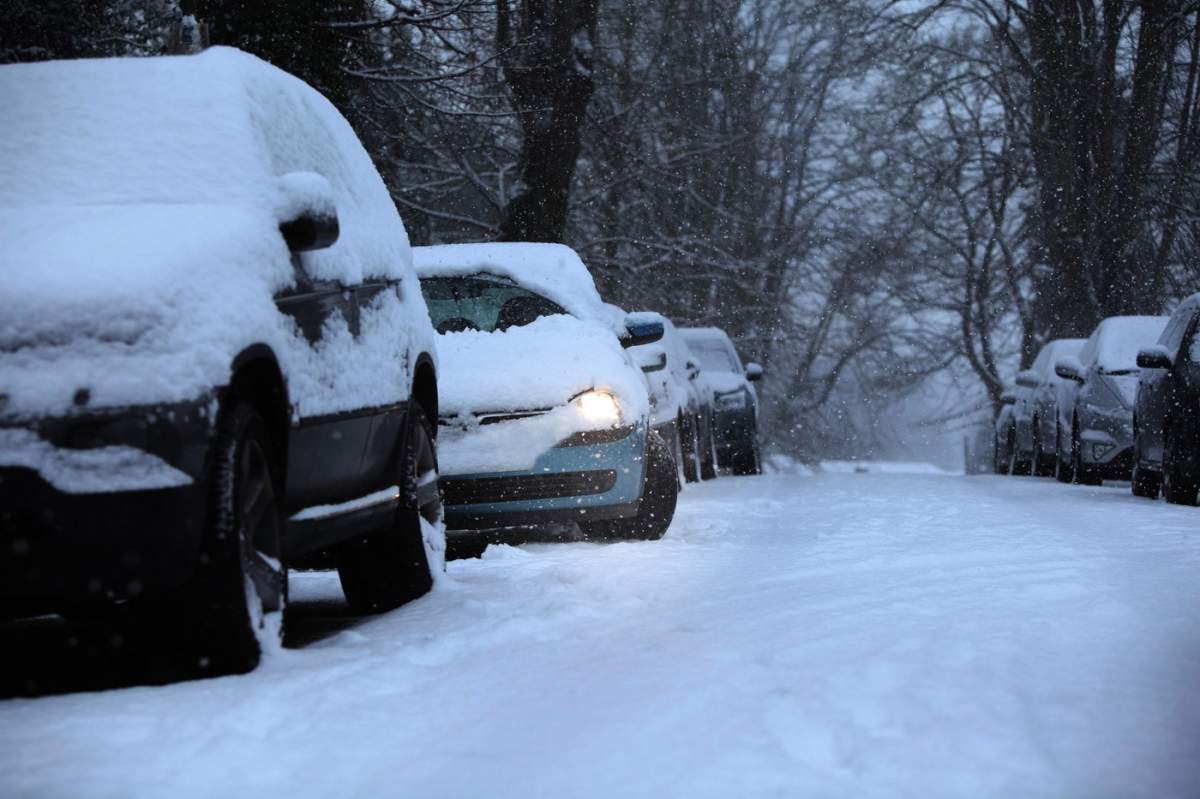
[[735, 400], [1100, 450], [599, 407]]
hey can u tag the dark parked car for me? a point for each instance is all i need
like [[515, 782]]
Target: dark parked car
[[1094, 440], [735, 403], [1005, 434], [1035, 411], [240, 376], [1166, 421], [680, 399]]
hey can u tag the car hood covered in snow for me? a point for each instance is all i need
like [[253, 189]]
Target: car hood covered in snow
[[539, 367], [535, 367]]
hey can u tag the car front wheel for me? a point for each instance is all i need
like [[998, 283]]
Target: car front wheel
[[389, 567]]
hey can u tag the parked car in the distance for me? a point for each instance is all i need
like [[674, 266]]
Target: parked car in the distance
[[214, 357], [544, 415], [1005, 434], [1035, 412], [680, 400], [735, 403], [1166, 419], [1094, 440]]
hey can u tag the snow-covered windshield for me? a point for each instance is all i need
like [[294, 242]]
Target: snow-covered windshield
[[713, 355], [482, 303], [1121, 337]]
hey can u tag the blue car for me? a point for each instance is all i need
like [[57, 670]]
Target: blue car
[[545, 417]]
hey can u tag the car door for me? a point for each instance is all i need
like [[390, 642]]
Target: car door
[[386, 420], [326, 440]]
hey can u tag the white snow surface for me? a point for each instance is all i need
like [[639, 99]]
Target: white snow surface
[[139, 246], [553, 270], [869, 636]]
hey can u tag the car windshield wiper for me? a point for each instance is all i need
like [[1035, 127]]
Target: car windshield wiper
[[1118, 372]]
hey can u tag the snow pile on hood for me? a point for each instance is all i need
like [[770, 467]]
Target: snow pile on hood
[[1118, 339], [535, 367], [552, 270], [140, 202], [539, 366]]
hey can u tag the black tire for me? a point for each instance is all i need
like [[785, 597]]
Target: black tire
[[1145, 483], [1180, 481], [388, 567], [242, 579], [1043, 465], [1085, 475], [708, 455], [1016, 466], [656, 507], [690, 444], [1063, 471]]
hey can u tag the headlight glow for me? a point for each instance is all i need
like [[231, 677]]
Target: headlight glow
[[599, 407]]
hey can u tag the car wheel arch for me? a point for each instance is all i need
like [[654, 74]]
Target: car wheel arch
[[424, 389], [255, 377]]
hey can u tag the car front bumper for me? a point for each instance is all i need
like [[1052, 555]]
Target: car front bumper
[[1106, 442], [587, 477], [101, 507]]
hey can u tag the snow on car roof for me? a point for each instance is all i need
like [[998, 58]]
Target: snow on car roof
[[553, 270], [1117, 340], [217, 128], [140, 203]]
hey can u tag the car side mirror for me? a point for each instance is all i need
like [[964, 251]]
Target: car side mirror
[[653, 359], [1155, 357], [693, 369], [639, 332], [307, 212], [1069, 368], [1008, 397], [1028, 379], [753, 372]]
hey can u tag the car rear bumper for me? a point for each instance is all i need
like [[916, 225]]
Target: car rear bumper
[[99, 508], [576, 481]]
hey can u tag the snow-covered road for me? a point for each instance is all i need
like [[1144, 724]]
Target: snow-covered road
[[840, 635]]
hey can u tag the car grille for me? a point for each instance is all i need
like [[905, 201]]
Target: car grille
[[525, 487]]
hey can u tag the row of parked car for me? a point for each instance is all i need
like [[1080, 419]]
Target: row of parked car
[[220, 357], [1123, 404]]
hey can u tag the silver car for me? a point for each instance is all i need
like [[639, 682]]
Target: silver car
[[1095, 425], [1035, 412]]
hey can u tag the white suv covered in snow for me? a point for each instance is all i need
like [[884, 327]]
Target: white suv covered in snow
[[214, 355]]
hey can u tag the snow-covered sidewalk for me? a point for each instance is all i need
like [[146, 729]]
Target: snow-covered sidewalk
[[840, 635]]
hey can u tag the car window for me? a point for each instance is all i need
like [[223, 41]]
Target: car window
[[1193, 350], [1172, 337], [475, 303], [714, 355]]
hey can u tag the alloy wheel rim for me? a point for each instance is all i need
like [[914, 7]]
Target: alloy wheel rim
[[259, 525]]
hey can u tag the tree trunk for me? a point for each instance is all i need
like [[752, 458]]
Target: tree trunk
[[547, 59]]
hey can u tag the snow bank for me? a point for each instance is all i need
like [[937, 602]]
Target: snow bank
[[139, 246], [552, 270], [882, 467]]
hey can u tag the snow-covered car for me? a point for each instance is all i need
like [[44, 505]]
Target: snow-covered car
[[214, 354], [1166, 418], [680, 400], [1094, 439], [1035, 412], [544, 414], [1005, 433], [735, 403]]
